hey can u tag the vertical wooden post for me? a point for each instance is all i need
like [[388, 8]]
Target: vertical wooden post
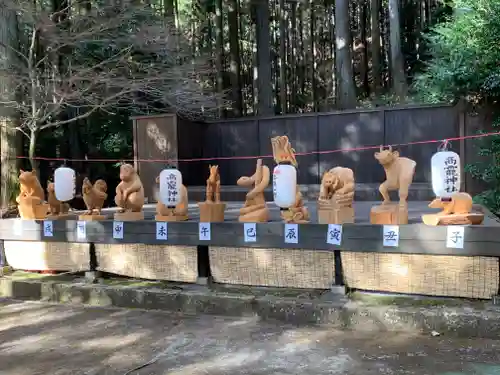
[[136, 149], [462, 133]]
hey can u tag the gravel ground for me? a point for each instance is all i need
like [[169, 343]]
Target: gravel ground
[[37, 338]]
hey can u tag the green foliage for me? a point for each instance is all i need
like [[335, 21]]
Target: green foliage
[[488, 169], [465, 55], [465, 64]]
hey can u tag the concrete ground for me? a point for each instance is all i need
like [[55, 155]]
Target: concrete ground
[[37, 338]]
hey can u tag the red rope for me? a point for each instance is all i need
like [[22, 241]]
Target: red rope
[[361, 148]]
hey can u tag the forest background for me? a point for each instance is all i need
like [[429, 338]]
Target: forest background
[[72, 72]]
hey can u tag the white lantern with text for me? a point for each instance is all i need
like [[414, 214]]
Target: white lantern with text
[[284, 185], [170, 187], [64, 184], [445, 173]]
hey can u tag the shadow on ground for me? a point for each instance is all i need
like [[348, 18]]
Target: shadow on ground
[[39, 338]]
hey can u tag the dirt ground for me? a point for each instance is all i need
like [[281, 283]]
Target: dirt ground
[[37, 338]]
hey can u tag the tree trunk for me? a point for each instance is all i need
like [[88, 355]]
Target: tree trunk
[[32, 150], [397, 60], [8, 135], [311, 64], [302, 72], [219, 49], [169, 9], [293, 60], [346, 89], [264, 79], [375, 46], [363, 71], [282, 74], [235, 65]]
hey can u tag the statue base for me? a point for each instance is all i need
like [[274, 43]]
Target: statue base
[[260, 216], [453, 219], [258, 213], [30, 211], [91, 217], [211, 212], [129, 216], [171, 218], [64, 216], [389, 214], [330, 213], [290, 217]]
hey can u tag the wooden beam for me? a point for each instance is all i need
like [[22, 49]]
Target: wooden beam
[[413, 239]]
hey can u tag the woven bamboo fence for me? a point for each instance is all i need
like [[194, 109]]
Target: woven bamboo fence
[[153, 262]]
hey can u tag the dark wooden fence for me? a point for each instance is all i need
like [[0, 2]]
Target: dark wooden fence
[[340, 131]]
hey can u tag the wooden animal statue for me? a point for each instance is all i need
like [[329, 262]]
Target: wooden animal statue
[[31, 198], [282, 150], [130, 191], [213, 185], [255, 210], [457, 210], [94, 195], [337, 181], [284, 153], [29, 186], [56, 207], [399, 173], [460, 204], [180, 211], [298, 213]]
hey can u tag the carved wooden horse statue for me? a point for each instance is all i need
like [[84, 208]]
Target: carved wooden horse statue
[[213, 185]]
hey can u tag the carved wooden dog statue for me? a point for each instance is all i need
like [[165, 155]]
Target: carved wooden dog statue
[[31, 198], [129, 192], [399, 173], [94, 195], [29, 186], [56, 207], [213, 185]]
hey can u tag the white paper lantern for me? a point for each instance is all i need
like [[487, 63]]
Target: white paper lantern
[[64, 184], [170, 187], [284, 185], [446, 174]]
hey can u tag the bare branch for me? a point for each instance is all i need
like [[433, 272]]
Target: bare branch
[[108, 59]]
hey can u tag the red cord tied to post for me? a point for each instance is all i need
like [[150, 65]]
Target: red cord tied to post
[[444, 146]]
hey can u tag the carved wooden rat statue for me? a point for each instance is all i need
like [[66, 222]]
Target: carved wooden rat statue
[[399, 173], [129, 192], [460, 204]]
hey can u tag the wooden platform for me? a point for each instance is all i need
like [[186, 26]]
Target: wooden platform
[[361, 211]]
